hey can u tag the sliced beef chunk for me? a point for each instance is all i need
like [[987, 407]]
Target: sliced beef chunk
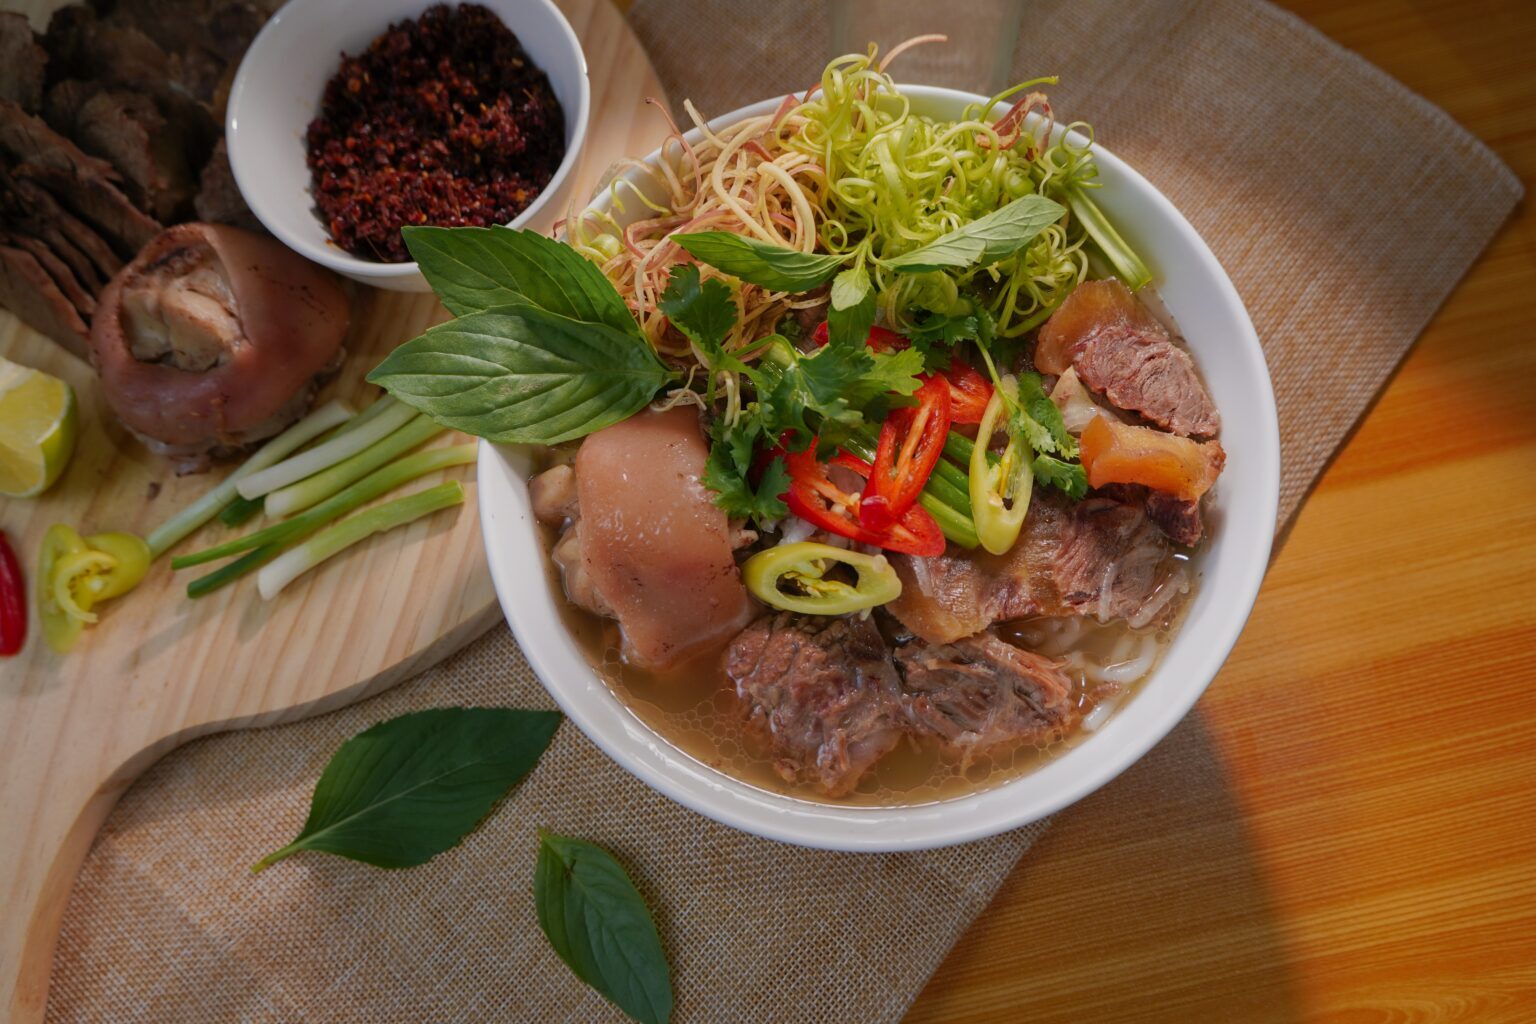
[[1094, 557], [83, 301], [1178, 518], [1120, 350], [126, 128], [27, 290], [218, 197], [28, 208], [22, 62], [981, 692], [85, 184], [823, 692]]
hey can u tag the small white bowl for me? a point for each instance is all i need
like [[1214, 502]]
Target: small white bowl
[[1241, 516], [276, 93]]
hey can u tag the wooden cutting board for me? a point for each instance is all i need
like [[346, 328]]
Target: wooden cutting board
[[159, 669]]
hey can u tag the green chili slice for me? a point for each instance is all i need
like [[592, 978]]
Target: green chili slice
[[798, 578]]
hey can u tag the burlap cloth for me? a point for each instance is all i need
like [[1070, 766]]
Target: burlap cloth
[[1344, 207]]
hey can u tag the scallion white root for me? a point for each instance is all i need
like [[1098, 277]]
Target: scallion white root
[[323, 456], [167, 534], [292, 564]]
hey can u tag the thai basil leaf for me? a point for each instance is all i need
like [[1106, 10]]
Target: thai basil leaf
[[524, 375], [599, 925], [984, 240], [775, 267], [405, 790], [476, 269], [851, 312]]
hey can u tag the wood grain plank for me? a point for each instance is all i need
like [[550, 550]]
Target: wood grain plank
[[1342, 830]]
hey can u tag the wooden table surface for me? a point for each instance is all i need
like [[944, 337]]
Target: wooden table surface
[[1344, 829]]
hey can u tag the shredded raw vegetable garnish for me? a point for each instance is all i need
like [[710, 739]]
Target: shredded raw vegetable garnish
[[848, 168]]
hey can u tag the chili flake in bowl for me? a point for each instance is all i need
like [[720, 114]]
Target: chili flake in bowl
[[443, 120], [413, 121]]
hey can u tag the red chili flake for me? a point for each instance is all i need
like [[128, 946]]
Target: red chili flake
[[442, 120]]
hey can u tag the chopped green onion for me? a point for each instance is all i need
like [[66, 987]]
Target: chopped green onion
[[167, 534], [324, 456], [379, 482], [294, 563], [299, 496]]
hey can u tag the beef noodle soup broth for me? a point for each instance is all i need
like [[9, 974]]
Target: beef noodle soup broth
[[695, 708]]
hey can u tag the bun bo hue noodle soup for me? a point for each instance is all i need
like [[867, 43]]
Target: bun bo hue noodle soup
[[899, 488]]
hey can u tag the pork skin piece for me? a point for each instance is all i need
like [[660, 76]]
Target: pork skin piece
[[1066, 557], [213, 338], [981, 693], [654, 546], [822, 692], [1121, 351]]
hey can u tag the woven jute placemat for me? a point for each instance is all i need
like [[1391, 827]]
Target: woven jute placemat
[[1344, 207]]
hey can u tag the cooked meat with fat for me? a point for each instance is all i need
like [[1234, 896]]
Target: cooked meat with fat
[[822, 691], [1120, 350], [1178, 518], [27, 290], [28, 208], [981, 692], [83, 301], [218, 198], [85, 184], [126, 128], [214, 338], [22, 62], [654, 544], [1094, 557]]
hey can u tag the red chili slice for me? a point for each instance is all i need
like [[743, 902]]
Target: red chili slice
[[880, 339], [13, 601], [815, 498], [969, 391], [911, 441]]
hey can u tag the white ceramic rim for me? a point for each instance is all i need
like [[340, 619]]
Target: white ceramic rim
[[603, 717], [333, 256]]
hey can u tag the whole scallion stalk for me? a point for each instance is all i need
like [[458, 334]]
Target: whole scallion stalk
[[365, 490], [307, 492], [292, 564], [325, 455], [167, 534]]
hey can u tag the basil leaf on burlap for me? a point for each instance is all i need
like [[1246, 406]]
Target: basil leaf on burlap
[[598, 923], [403, 791], [523, 375], [475, 269]]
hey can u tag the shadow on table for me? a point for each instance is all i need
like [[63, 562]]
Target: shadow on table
[[1145, 902]]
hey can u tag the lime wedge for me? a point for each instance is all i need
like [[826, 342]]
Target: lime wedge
[[37, 429]]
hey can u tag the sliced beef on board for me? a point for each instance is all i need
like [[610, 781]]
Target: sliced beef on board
[[126, 129], [28, 208], [83, 301], [22, 62], [86, 184], [1120, 350], [980, 693], [218, 198], [1096, 557], [823, 692], [27, 290]]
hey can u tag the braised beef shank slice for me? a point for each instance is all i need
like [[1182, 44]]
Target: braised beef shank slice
[[27, 290], [1120, 350], [127, 129], [823, 692], [981, 693]]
